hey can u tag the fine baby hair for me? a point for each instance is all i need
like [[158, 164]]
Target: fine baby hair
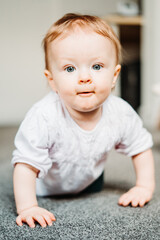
[[70, 21]]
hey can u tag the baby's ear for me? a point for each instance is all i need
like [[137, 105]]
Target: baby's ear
[[116, 73], [48, 75], [50, 79]]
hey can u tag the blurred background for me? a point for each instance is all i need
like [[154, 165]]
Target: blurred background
[[23, 25]]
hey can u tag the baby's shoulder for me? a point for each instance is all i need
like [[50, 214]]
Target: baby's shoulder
[[116, 105], [46, 107], [119, 114]]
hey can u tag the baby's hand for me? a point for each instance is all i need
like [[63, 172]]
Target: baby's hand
[[136, 196], [40, 215]]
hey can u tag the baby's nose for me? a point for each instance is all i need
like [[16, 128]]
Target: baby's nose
[[85, 81]]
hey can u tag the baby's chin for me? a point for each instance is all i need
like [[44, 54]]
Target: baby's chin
[[88, 109]]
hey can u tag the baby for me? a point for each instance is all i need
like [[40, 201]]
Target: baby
[[62, 144]]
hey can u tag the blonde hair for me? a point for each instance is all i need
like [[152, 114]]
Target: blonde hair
[[67, 24]]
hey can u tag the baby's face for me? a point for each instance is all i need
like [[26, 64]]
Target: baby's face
[[82, 70]]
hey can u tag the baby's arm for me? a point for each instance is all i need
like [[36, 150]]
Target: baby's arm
[[24, 180], [145, 181]]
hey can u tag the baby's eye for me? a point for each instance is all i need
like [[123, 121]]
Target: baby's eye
[[97, 67], [69, 69]]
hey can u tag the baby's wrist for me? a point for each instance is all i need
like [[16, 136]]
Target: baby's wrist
[[21, 210], [150, 186]]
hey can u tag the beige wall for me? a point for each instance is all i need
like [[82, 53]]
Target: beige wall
[[150, 109], [23, 25]]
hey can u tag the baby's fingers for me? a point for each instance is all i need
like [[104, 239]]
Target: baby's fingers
[[40, 220], [142, 203], [30, 221], [125, 200], [135, 202], [51, 216], [19, 221], [48, 220]]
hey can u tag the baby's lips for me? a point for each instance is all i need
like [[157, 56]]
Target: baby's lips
[[86, 91], [85, 94]]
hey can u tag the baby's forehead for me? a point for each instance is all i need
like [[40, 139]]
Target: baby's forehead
[[78, 34], [83, 45], [86, 36]]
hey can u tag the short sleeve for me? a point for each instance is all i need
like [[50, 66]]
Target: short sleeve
[[134, 137], [31, 142]]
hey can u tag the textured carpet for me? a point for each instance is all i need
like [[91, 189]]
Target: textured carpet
[[92, 216]]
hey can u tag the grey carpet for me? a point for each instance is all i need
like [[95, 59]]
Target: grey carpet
[[92, 216]]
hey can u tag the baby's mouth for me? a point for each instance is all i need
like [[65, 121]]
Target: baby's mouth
[[85, 94]]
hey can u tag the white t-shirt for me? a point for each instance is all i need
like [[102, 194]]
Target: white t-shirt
[[68, 157]]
